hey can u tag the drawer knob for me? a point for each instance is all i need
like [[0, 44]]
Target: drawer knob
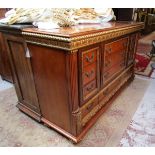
[[108, 63], [109, 50], [87, 74], [90, 88], [90, 59], [89, 107]]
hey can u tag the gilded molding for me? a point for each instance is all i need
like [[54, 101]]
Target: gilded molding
[[73, 43], [77, 115]]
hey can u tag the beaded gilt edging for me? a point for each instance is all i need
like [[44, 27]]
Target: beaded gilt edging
[[70, 44]]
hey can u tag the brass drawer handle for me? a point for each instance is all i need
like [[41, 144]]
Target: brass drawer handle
[[107, 63], [90, 59], [90, 88], [89, 107], [87, 74], [109, 50]]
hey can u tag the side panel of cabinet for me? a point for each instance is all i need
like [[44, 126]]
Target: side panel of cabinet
[[22, 73], [5, 68], [133, 41], [49, 68]]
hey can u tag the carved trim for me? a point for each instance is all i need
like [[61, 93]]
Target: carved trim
[[77, 115], [47, 42], [70, 44]]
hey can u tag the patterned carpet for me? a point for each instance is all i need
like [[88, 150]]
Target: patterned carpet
[[17, 129], [141, 131], [143, 49]]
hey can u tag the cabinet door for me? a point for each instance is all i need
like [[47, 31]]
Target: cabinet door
[[89, 75], [22, 72], [132, 48]]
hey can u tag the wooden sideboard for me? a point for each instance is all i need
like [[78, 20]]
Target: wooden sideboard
[[67, 77]]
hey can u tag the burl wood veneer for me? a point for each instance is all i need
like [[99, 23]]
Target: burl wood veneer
[[67, 77]]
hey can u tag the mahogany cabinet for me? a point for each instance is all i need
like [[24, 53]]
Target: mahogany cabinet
[[67, 77]]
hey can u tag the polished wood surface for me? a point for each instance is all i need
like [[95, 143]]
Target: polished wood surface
[[68, 81], [83, 29], [5, 68], [22, 72], [51, 84]]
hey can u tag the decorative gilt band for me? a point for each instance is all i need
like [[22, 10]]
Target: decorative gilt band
[[70, 44]]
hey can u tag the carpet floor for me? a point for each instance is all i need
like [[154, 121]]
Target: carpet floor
[[17, 129], [141, 130]]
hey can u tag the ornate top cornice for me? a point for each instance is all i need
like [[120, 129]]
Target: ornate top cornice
[[72, 43]]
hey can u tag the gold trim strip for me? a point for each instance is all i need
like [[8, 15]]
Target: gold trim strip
[[71, 44]]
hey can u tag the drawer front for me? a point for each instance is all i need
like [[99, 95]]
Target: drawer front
[[112, 71], [89, 89], [87, 108], [105, 94], [129, 72], [89, 56], [89, 73], [116, 46], [114, 59]]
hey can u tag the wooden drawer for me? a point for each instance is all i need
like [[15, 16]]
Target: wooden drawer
[[109, 89], [115, 69], [89, 56], [114, 59], [129, 72], [88, 107], [89, 89], [89, 73], [116, 46]]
